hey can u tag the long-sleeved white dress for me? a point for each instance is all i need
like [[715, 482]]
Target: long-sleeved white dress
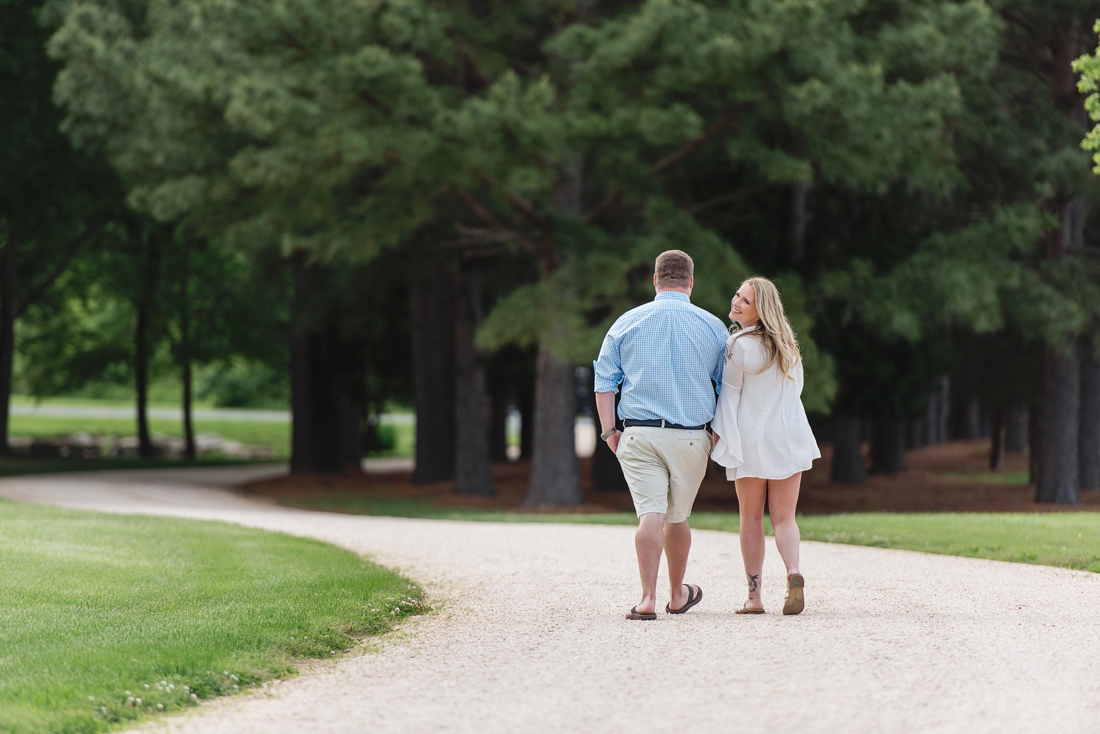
[[761, 426]]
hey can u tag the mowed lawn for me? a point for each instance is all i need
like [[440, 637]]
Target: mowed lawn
[[1069, 540], [273, 434], [110, 619]]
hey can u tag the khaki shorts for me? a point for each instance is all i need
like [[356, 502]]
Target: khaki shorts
[[663, 468]]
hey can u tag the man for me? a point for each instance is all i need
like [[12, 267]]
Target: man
[[668, 357]]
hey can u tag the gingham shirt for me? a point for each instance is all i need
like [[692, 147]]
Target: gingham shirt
[[668, 355]]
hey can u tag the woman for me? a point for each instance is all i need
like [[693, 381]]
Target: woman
[[761, 433]]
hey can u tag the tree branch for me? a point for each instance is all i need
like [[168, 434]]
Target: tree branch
[[516, 201], [726, 198], [670, 160], [486, 216], [74, 247]]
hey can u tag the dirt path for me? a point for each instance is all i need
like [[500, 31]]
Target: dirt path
[[530, 636]]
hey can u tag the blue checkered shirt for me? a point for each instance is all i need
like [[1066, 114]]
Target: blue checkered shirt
[[668, 355]]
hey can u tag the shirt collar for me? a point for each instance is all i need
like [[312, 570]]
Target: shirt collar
[[672, 296]]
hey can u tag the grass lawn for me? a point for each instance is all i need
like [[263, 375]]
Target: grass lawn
[[99, 611], [1069, 540], [275, 435]]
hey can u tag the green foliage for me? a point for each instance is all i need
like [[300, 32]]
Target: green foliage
[[958, 279], [169, 611]]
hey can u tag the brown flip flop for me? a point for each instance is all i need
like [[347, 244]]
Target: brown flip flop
[[635, 614], [693, 599], [750, 610], [796, 600]]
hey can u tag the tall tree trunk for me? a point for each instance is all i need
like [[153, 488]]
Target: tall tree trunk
[[525, 401], [146, 302], [315, 420], [555, 477], [1034, 446], [350, 422], [1088, 451], [1060, 418], [473, 469], [432, 306], [796, 231], [936, 423], [8, 306], [500, 404], [847, 450], [888, 446], [185, 355], [1016, 422], [916, 430], [998, 428]]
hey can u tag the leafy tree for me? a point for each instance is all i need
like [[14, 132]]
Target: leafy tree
[[54, 200]]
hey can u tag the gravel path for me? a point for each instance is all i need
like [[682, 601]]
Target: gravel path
[[530, 635]]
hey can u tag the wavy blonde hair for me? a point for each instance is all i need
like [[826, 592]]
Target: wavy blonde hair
[[772, 329]]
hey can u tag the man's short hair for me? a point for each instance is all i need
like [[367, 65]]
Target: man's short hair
[[674, 269]]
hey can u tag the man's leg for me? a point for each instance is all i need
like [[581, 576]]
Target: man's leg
[[686, 453], [648, 541], [677, 547]]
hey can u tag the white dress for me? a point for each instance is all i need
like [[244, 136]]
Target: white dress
[[761, 426]]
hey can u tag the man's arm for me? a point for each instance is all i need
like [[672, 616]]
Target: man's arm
[[605, 407]]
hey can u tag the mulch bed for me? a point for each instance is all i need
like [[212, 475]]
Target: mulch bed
[[928, 486]]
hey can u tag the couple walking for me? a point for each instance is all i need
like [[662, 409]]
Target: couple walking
[[670, 358]]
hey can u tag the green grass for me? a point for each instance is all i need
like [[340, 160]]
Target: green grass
[[1010, 477], [275, 435], [403, 438], [95, 605], [1068, 540]]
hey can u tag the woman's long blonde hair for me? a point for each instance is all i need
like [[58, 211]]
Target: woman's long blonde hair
[[772, 329]]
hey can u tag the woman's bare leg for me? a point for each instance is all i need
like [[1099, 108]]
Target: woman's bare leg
[[750, 498], [782, 501]]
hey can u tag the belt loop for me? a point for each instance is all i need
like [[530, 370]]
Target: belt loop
[[662, 423]]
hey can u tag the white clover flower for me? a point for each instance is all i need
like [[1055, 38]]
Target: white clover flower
[[225, 672], [91, 698], [160, 707], [146, 685], [137, 701], [128, 693], [236, 688], [164, 682], [194, 697]]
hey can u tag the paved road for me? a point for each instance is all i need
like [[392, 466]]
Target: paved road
[[530, 635]]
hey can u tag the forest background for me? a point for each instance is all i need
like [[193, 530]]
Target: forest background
[[349, 205]]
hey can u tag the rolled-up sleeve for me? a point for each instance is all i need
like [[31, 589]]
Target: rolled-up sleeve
[[607, 368]]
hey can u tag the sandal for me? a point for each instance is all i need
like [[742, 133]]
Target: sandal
[[750, 610], [795, 601], [635, 614], [695, 595]]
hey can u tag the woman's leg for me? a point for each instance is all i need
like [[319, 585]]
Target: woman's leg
[[750, 498], [782, 500]]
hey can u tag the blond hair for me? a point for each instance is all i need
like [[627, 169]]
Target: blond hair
[[772, 329], [674, 269]]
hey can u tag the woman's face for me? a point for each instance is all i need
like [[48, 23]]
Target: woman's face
[[743, 306]]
